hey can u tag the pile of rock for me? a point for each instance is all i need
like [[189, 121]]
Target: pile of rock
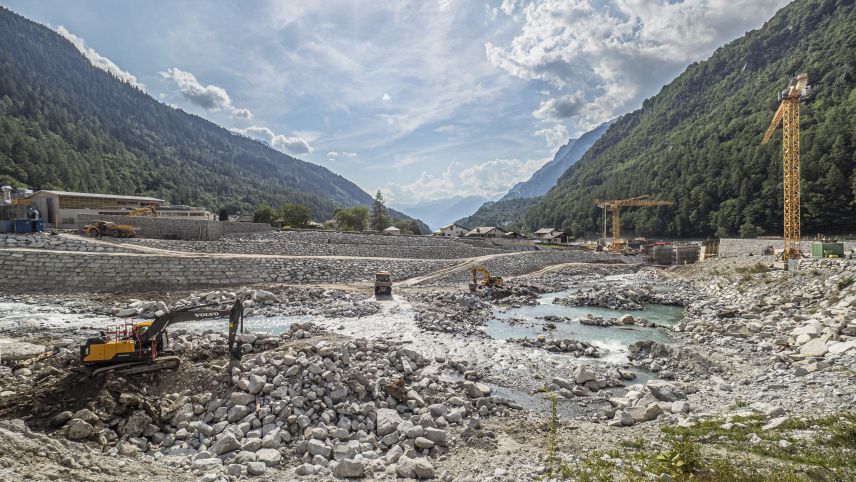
[[453, 313], [608, 296], [586, 383], [647, 402], [591, 320], [567, 345], [286, 301], [349, 410], [803, 319]]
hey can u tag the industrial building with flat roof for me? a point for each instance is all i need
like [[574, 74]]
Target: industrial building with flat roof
[[61, 208]]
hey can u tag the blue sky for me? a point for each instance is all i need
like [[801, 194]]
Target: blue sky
[[422, 99]]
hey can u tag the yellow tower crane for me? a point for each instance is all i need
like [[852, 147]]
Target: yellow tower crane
[[788, 115], [615, 205]]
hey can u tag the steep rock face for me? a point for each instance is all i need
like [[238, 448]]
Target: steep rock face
[[65, 124], [545, 178], [697, 142]]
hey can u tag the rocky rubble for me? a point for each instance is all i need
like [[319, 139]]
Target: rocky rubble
[[285, 301], [575, 347], [455, 313], [335, 409], [619, 297]]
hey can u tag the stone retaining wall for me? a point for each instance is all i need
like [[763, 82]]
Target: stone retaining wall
[[57, 243], [292, 243], [66, 271], [171, 228]]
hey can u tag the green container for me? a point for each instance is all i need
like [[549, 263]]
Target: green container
[[827, 250]]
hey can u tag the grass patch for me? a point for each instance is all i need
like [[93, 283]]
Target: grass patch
[[754, 269], [734, 449], [844, 283]]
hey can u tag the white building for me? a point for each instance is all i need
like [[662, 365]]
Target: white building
[[548, 233], [392, 230], [485, 232], [451, 231]]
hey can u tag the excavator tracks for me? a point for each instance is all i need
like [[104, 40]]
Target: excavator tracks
[[135, 368]]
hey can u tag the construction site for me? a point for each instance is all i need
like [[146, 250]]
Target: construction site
[[254, 354]]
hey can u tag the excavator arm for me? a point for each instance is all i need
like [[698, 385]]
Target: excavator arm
[[235, 315]]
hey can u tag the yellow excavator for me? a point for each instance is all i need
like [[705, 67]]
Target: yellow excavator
[[487, 279], [142, 347]]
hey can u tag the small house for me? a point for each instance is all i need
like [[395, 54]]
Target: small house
[[392, 230], [451, 231], [485, 232]]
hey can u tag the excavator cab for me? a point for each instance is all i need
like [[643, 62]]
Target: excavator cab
[[141, 347], [487, 279]]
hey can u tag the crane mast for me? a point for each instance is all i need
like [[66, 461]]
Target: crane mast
[[788, 114]]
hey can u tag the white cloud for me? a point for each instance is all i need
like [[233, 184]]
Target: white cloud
[[340, 155], [386, 97], [604, 60], [99, 60], [488, 179], [292, 145], [560, 108], [209, 97], [555, 136]]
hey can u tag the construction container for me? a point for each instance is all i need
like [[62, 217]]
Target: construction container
[[663, 254], [7, 226], [686, 254], [823, 249], [38, 225], [23, 226]]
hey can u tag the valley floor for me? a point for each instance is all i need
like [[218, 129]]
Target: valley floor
[[583, 366]]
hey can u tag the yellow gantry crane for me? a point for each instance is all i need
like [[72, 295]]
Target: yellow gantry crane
[[788, 115], [615, 205]]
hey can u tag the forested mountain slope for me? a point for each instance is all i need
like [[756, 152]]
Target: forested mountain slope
[[697, 142], [545, 178], [504, 213], [65, 124]]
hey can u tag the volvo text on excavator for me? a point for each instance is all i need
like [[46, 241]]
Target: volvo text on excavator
[[142, 347]]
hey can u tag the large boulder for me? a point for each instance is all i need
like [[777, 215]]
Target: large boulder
[[476, 389], [665, 391], [270, 457], [349, 468], [225, 443], [582, 374], [387, 421], [77, 429], [135, 425]]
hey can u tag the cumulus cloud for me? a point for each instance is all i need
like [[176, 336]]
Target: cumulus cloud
[[604, 59], [560, 108], [209, 97], [555, 136], [386, 97], [98, 60], [488, 179], [289, 144]]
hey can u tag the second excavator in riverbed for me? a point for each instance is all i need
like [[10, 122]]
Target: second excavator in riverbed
[[142, 347]]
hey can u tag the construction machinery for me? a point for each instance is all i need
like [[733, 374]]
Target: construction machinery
[[142, 347], [383, 284], [487, 279], [107, 228], [788, 114], [615, 205], [150, 210]]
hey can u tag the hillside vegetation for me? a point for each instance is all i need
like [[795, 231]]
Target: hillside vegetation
[[504, 213], [65, 124], [697, 142]]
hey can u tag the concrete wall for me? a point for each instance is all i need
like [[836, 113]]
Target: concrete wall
[[188, 229], [27, 270]]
